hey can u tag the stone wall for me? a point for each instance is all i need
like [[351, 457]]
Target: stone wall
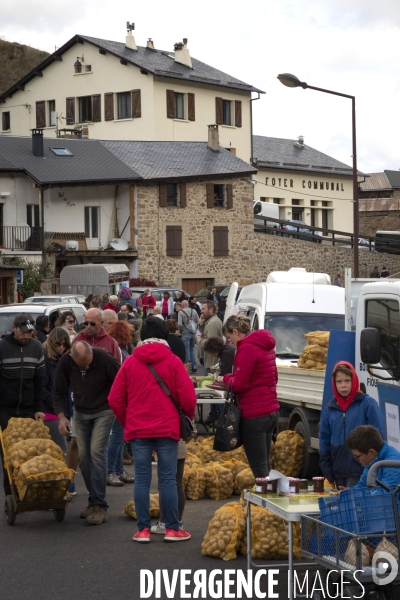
[[371, 223]]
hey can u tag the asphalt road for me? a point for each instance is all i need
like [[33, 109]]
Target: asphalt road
[[42, 559]]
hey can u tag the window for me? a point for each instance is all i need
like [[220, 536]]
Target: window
[[85, 109], [61, 151], [51, 110], [384, 315], [32, 215], [88, 68], [226, 112], [313, 218], [172, 194], [92, 214], [5, 121], [277, 200], [180, 106], [297, 214], [179, 112], [174, 240], [257, 208], [295, 202], [221, 247], [219, 195], [124, 105], [313, 203], [325, 221]]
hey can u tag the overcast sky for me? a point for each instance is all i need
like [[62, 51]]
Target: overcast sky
[[349, 46]]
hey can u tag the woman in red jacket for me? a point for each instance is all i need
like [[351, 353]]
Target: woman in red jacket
[[151, 422], [254, 380]]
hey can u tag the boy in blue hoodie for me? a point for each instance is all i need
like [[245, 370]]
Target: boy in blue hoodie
[[348, 409], [368, 447]]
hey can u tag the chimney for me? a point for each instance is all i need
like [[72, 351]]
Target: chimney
[[37, 142], [213, 138], [182, 54], [130, 40], [150, 44]]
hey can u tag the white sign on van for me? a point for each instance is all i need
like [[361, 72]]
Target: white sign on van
[[392, 425]]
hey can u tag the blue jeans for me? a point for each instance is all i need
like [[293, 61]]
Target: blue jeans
[[189, 340], [92, 436], [167, 455], [116, 449]]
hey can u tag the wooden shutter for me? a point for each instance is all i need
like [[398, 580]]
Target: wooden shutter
[[219, 111], [174, 240], [96, 108], [191, 108], [162, 195], [221, 241], [210, 195], [109, 106], [229, 195], [40, 114], [136, 104], [182, 195], [238, 113], [70, 111], [170, 104]]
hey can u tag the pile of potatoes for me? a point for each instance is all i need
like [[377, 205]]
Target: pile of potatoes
[[208, 454], [192, 459], [289, 453], [195, 483], [244, 480], [42, 468], [24, 450], [218, 481], [130, 509], [315, 353], [24, 429], [225, 532], [269, 536]]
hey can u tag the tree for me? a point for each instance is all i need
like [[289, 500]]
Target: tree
[[34, 275]]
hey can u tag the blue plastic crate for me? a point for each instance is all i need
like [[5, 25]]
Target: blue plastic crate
[[361, 510]]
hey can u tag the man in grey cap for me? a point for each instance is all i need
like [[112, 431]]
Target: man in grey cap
[[21, 376]]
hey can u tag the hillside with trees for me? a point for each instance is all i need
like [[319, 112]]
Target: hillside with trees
[[16, 60]]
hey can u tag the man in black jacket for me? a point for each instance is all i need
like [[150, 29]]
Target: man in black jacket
[[42, 328], [21, 377], [89, 373]]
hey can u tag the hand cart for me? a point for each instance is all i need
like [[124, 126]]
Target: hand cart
[[38, 495], [368, 517]]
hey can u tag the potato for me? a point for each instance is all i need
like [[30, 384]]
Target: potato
[[23, 450], [195, 483], [225, 532], [218, 481], [154, 507], [244, 480], [21, 429], [192, 459], [269, 536], [289, 453]]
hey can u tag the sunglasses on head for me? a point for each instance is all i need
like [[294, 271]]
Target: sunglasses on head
[[92, 323]]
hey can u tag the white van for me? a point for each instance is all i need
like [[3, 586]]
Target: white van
[[265, 209]]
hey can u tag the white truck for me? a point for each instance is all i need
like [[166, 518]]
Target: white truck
[[292, 303], [265, 209]]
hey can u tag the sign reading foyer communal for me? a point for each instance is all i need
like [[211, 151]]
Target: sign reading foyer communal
[[311, 184]]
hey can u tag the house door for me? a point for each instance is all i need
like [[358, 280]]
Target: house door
[[191, 286]]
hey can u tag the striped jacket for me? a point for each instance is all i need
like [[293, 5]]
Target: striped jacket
[[21, 377]]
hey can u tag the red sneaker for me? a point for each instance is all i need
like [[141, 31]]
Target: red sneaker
[[142, 536], [171, 535]]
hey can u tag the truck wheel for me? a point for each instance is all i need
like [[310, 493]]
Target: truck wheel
[[311, 459], [10, 510]]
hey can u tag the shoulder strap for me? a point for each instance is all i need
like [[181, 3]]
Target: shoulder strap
[[164, 388]]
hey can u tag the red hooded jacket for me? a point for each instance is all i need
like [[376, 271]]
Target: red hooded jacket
[[344, 403], [255, 375], [138, 401]]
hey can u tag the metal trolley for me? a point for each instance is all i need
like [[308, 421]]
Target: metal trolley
[[39, 495], [328, 545]]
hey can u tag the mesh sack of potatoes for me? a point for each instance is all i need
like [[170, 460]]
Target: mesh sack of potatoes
[[24, 429], [350, 556], [386, 545], [223, 535], [240, 454], [39, 491], [194, 447], [318, 337], [192, 459], [186, 470], [272, 452], [42, 468], [219, 481], [24, 450], [269, 536], [244, 480], [289, 453], [234, 466], [154, 507], [195, 483]]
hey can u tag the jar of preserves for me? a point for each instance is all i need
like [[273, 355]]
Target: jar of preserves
[[318, 483]]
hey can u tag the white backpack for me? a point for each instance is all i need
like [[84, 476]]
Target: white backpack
[[191, 325]]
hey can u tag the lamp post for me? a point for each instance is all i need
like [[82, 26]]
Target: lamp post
[[293, 81]]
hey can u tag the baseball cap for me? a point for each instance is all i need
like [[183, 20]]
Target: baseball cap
[[24, 322]]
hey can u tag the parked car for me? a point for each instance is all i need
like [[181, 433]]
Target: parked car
[[299, 227], [8, 313], [137, 292], [363, 244], [203, 293], [72, 298]]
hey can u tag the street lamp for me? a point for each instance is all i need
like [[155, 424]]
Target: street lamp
[[293, 81]]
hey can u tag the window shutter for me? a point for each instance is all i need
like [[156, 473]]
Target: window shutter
[[136, 104], [162, 196], [191, 108], [174, 240], [40, 114], [210, 195], [229, 195], [182, 195], [221, 241], [96, 108], [238, 113], [219, 111], [70, 111], [170, 104], [109, 106]]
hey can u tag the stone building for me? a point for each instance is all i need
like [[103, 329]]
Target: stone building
[[380, 203]]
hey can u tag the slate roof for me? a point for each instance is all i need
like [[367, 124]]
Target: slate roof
[[90, 162], [172, 160], [279, 153], [157, 62], [394, 178], [375, 181]]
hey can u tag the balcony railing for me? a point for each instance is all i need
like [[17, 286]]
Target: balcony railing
[[21, 237]]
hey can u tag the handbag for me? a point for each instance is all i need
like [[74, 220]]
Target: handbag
[[187, 428], [227, 433]]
